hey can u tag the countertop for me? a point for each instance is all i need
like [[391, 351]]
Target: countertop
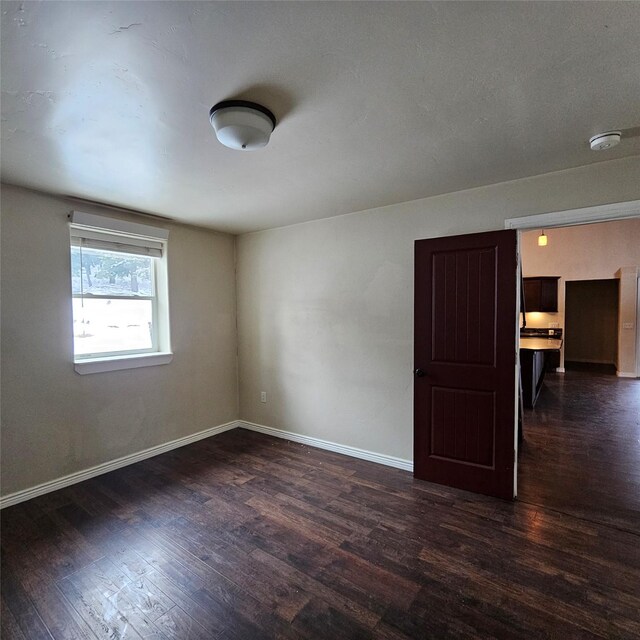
[[540, 344]]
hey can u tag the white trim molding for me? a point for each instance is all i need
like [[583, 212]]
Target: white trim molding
[[587, 215], [354, 452], [112, 465], [117, 363], [626, 374]]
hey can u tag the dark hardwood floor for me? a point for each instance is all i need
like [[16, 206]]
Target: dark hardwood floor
[[581, 449], [243, 536]]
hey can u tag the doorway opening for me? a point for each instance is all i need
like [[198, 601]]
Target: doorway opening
[[579, 451], [469, 358], [591, 325]]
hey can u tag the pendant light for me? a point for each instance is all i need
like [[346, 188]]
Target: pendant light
[[242, 125], [542, 239]]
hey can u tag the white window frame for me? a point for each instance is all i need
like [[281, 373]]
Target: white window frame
[[153, 239]]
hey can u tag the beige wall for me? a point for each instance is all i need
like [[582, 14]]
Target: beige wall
[[56, 422], [587, 252], [325, 308], [628, 332], [325, 321]]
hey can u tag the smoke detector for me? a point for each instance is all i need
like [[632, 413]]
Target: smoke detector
[[603, 141]]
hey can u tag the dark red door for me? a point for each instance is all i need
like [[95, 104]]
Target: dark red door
[[464, 393]]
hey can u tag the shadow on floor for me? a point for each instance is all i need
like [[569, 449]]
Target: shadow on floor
[[590, 367]]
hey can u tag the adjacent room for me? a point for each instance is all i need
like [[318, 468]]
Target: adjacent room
[[577, 454], [320, 320]]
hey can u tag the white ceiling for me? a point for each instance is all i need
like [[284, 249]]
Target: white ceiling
[[377, 103]]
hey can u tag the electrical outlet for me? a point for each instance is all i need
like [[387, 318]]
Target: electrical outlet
[[627, 325], [554, 325], [263, 396]]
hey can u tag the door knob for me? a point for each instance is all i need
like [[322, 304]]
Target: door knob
[[420, 373]]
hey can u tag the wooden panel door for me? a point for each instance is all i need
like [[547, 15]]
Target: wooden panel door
[[465, 356]]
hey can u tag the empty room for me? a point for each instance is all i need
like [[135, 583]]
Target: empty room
[[320, 320]]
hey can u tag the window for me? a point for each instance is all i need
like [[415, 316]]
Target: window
[[119, 294]]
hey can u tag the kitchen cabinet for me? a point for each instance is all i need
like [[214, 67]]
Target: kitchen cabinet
[[541, 293], [534, 353]]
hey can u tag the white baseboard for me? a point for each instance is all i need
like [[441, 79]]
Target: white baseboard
[[105, 467], [626, 374], [363, 454], [112, 465], [560, 370]]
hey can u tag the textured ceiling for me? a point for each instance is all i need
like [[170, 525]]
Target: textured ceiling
[[377, 103]]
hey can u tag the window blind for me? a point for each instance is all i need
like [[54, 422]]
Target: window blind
[[110, 234], [119, 245]]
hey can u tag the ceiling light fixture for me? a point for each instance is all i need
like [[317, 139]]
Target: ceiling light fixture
[[242, 125], [542, 239], [603, 141]]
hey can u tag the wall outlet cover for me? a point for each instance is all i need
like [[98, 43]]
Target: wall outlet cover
[[263, 396]]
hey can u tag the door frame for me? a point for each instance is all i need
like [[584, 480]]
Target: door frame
[[571, 217], [568, 218]]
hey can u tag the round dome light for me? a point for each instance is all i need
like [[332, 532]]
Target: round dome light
[[242, 125]]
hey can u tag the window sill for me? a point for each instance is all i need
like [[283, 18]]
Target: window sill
[[116, 363]]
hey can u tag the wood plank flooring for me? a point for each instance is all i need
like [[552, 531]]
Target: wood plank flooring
[[581, 449], [243, 536]]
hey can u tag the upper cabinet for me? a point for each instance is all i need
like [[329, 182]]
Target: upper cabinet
[[541, 293]]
